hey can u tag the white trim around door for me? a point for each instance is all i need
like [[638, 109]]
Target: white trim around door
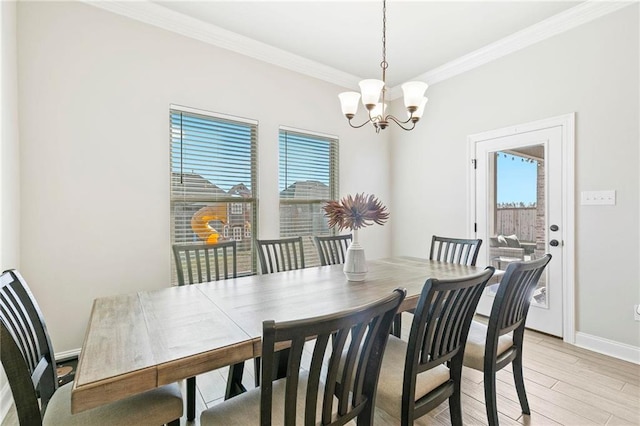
[[567, 123]]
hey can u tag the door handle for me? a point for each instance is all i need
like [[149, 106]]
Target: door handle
[[554, 243]]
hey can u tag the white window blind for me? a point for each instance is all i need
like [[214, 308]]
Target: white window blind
[[213, 181], [308, 177]]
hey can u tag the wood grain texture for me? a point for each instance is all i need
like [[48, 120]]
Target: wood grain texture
[[322, 290], [140, 341], [116, 358]]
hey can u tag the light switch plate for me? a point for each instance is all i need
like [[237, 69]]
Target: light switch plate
[[602, 198]]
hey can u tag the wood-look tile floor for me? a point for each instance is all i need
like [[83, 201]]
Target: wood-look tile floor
[[566, 385]]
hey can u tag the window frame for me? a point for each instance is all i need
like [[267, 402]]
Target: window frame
[[334, 180], [176, 198]]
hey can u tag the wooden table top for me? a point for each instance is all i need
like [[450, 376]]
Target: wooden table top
[[140, 341]]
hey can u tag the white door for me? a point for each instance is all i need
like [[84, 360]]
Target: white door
[[518, 196]]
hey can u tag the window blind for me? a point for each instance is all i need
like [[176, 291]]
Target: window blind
[[213, 181], [308, 177]]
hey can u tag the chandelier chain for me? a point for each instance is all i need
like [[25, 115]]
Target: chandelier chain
[[384, 63]]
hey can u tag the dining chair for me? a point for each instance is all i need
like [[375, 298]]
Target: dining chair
[[277, 255], [332, 249], [419, 375], [283, 254], [29, 362], [494, 346], [199, 263], [449, 250], [316, 394], [455, 250]]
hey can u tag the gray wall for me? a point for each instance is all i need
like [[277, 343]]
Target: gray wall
[[95, 90], [9, 150], [591, 70]]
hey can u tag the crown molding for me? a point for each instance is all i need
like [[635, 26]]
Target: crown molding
[[159, 16], [164, 18], [557, 24]]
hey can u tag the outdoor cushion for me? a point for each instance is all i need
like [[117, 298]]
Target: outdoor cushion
[[512, 241]]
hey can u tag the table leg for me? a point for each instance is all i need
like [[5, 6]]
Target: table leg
[[234, 381], [191, 398], [282, 359]]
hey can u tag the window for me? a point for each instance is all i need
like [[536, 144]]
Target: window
[[308, 178], [236, 208], [213, 177]]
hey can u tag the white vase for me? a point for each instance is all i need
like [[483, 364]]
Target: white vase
[[355, 264]]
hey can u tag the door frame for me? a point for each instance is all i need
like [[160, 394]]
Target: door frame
[[567, 123]]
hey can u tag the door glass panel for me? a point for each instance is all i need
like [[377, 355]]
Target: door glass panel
[[516, 203]]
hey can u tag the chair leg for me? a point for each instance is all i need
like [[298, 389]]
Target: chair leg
[[455, 400], [396, 328], [191, 398], [518, 378], [490, 398], [256, 365]]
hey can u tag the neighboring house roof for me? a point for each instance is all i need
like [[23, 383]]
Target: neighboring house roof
[[194, 184], [241, 190], [308, 189]]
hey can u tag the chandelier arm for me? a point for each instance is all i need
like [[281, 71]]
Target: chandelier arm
[[400, 123], [397, 120], [361, 125]]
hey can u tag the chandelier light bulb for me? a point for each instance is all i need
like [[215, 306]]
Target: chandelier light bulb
[[371, 90], [413, 93], [418, 113], [349, 102], [379, 110]]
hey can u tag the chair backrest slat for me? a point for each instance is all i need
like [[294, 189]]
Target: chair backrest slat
[[513, 298], [25, 349], [438, 335], [455, 250], [332, 250], [347, 387], [198, 263], [284, 254]]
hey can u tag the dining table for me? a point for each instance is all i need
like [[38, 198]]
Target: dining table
[[140, 341]]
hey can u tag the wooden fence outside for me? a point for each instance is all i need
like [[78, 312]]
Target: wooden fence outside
[[518, 221]]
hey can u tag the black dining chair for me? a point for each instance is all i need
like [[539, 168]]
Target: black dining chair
[[283, 254], [335, 393], [332, 249], [278, 255], [30, 365], [455, 250], [450, 250], [419, 375], [494, 346], [200, 263]]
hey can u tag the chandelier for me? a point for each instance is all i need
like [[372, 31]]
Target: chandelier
[[372, 90]]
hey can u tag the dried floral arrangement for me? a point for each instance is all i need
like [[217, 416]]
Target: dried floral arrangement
[[355, 212]]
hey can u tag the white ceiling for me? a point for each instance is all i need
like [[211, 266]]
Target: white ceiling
[[347, 35]]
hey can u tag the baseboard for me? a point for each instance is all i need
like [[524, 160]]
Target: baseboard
[[608, 347], [6, 399], [63, 356]]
